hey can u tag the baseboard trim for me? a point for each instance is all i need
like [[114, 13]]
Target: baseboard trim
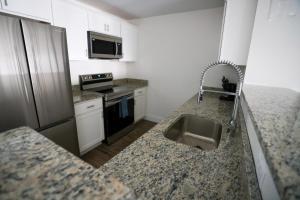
[[89, 147]]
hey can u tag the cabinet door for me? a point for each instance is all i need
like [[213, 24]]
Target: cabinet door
[[97, 22], [140, 107], [30, 8], [129, 35], [74, 19], [103, 23], [90, 129], [114, 26]]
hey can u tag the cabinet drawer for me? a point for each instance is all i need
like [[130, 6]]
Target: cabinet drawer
[[140, 91], [87, 106]]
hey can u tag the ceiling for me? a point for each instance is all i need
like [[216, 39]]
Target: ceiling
[[131, 9]]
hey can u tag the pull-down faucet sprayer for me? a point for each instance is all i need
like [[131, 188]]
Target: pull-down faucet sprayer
[[238, 88]]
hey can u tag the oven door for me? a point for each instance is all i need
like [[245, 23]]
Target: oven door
[[115, 120]]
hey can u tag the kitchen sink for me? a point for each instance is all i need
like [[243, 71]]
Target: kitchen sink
[[195, 131]]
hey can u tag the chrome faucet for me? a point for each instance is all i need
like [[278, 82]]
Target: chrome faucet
[[236, 94]]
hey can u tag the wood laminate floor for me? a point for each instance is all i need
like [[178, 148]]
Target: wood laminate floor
[[104, 152]]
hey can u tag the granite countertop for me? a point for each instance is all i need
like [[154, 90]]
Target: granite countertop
[[33, 167], [275, 113], [131, 83], [158, 168], [81, 96]]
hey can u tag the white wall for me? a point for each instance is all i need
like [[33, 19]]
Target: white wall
[[119, 69], [172, 51], [237, 30], [275, 47]]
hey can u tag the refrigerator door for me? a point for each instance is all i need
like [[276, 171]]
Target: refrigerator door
[[17, 106], [65, 135], [47, 56]]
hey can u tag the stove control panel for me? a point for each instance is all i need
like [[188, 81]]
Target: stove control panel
[[95, 77]]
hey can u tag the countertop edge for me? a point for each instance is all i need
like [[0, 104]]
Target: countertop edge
[[281, 185], [253, 187]]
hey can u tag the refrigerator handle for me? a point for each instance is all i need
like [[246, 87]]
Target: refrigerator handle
[[24, 81]]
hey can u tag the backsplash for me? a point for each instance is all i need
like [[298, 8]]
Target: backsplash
[[119, 69]]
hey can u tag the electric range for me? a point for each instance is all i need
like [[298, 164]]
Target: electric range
[[118, 104]]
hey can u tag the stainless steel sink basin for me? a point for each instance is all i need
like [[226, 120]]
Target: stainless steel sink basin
[[195, 131]]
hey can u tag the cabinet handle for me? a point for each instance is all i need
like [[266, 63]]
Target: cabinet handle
[[91, 106], [5, 3]]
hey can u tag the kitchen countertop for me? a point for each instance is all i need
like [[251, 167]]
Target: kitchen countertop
[[81, 96], [275, 113], [131, 83], [158, 168], [33, 167]]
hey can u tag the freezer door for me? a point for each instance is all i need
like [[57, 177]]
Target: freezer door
[[65, 135], [47, 56], [16, 99]]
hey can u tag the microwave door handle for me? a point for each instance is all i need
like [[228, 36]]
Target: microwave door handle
[[116, 48]]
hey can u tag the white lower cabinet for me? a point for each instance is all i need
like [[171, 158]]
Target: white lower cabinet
[[140, 99], [90, 127]]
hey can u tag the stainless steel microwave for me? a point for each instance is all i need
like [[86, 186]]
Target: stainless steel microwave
[[104, 46]]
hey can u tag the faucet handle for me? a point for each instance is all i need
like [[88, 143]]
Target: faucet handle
[[200, 96]]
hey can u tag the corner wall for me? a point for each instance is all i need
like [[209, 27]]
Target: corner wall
[[275, 46], [173, 50]]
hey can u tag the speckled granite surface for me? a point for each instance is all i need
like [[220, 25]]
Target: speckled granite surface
[[33, 167], [275, 113], [80, 96], [158, 168], [131, 83]]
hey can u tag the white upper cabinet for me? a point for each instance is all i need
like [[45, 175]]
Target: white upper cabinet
[[74, 19], [104, 23], [129, 36], [35, 9]]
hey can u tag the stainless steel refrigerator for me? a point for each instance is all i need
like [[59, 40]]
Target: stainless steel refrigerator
[[35, 85]]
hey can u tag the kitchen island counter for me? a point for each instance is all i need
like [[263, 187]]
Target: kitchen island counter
[[158, 168], [275, 114], [33, 167]]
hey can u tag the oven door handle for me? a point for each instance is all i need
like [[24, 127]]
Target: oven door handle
[[111, 103]]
